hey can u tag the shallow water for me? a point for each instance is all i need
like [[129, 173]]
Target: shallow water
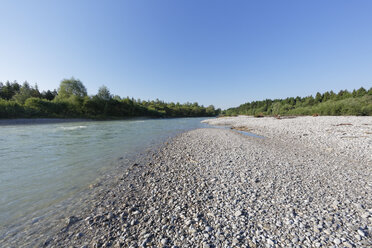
[[238, 131], [249, 134], [41, 165]]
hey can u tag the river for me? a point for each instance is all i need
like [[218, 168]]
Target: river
[[44, 164]]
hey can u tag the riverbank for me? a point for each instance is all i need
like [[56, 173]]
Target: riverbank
[[34, 121], [215, 187], [337, 135]]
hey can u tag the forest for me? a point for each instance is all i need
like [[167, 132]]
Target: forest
[[71, 100], [358, 102]]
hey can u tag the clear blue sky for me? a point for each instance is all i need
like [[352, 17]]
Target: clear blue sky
[[214, 52]]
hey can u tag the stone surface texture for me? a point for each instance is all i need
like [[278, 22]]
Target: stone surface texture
[[306, 184]]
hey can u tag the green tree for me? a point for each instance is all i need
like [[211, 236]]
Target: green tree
[[24, 93], [276, 108], [361, 92], [71, 87], [210, 110], [309, 101], [8, 90], [332, 95], [318, 97], [104, 93], [326, 96], [49, 95], [35, 91]]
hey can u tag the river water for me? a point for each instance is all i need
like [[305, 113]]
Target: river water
[[43, 164]]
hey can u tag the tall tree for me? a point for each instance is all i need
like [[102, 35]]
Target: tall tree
[[49, 95], [318, 97], [104, 93], [71, 87], [24, 93]]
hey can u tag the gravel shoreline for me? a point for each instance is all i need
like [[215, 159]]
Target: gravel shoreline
[[339, 135], [218, 188]]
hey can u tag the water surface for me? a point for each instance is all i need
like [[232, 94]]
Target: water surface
[[40, 165]]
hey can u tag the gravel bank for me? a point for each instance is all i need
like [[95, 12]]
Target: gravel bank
[[339, 135], [218, 188]]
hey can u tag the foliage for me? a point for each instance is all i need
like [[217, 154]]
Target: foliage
[[11, 109], [25, 92], [71, 87], [8, 90], [104, 93], [49, 95], [357, 102], [72, 101]]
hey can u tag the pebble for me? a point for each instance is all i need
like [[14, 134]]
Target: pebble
[[361, 233], [238, 213], [110, 216], [295, 240], [337, 241], [79, 235], [206, 245], [218, 188], [270, 242], [71, 220], [164, 241]]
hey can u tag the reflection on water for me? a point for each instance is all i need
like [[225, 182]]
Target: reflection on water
[[41, 165]]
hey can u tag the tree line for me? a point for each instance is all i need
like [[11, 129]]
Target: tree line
[[72, 101], [357, 102]]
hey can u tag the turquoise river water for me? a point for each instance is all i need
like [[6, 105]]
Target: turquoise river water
[[43, 164]]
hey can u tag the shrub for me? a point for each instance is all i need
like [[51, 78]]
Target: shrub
[[11, 109]]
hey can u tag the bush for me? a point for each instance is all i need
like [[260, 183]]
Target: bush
[[42, 107], [344, 103], [11, 109]]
